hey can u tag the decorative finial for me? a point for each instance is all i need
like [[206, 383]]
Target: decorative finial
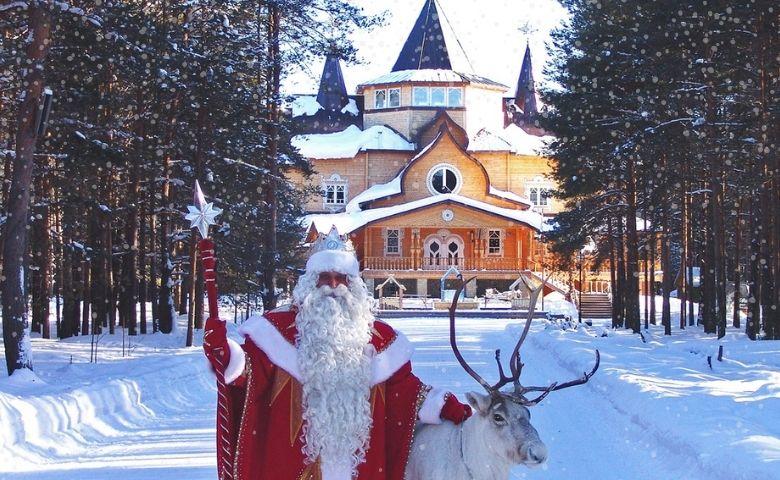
[[528, 29], [202, 213]]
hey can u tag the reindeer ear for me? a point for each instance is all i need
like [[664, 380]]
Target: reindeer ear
[[478, 402]]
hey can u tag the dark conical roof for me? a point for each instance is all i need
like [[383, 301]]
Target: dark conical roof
[[425, 48], [333, 92], [525, 95]]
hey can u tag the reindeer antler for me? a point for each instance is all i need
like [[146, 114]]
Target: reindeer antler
[[515, 364], [454, 344]]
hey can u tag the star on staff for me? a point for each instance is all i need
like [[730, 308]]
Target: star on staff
[[202, 214]]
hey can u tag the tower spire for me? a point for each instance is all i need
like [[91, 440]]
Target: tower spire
[[431, 44], [333, 91], [525, 95]]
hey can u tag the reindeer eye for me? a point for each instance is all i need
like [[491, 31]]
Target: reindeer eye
[[498, 418]]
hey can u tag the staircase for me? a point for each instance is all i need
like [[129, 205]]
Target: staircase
[[596, 305]]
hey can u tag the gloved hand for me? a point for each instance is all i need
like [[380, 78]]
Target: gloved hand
[[215, 343], [454, 411]]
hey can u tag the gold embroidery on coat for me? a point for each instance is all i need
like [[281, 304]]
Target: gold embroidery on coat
[[280, 381], [296, 410]]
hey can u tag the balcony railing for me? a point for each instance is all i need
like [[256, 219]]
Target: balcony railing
[[442, 264]]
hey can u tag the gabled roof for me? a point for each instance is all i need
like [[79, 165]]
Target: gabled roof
[[432, 44], [348, 142], [433, 76], [350, 221], [333, 91]]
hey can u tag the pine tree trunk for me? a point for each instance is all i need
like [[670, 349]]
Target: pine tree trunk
[[666, 266], [737, 262], [632, 250], [86, 299], [143, 279], [269, 258], [40, 243], [682, 291], [613, 274], [15, 321], [153, 269], [653, 246], [621, 273], [752, 325]]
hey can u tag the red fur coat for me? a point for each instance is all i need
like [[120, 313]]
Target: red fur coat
[[265, 413]]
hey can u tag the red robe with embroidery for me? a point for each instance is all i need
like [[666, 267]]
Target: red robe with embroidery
[[266, 411]]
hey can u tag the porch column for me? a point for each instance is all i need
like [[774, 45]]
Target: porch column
[[471, 289], [422, 287]]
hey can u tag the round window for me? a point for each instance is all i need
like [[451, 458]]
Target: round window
[[444, 179]]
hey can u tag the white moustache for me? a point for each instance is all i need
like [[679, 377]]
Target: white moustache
[[338, 291]]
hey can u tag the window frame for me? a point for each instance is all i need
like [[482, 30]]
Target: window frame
[[397, 237], [539, 193], [460, 92], [499, 235], [389, 95], [444, 96], [384, 99], [435, 169], [334, 183], [427, 96]]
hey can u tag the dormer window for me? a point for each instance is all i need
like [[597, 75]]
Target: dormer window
[[394, 97], [380, 98], [438, 96], [454, 97], [420, 96]]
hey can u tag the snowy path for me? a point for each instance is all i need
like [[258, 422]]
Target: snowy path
[[152, 417], [586, 436]]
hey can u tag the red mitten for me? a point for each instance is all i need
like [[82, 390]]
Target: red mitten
[[215, 344], [454, 411]]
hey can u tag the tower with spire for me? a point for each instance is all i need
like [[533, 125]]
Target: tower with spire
[[332, 109], [521, 109]]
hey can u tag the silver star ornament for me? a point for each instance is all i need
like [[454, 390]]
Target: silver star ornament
[[201, 214]]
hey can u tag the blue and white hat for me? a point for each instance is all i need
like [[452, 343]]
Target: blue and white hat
[[333, 253]]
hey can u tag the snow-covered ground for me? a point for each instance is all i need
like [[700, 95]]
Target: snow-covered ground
[[654, 410]]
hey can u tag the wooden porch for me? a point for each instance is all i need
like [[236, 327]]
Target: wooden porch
[[463, 264]]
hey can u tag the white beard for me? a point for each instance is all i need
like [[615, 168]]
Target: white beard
[[334, 331]]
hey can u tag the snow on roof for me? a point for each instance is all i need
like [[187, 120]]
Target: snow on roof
[[513, 139], [347, 143], [431, 75], [351, 107], [487, 141], [510, 196], [305, 105], [381, 190], [348, 222]]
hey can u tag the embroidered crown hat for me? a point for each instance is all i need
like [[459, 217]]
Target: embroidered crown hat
[[333, 253]]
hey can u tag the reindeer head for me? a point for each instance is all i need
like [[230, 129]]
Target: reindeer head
[[504, 416]]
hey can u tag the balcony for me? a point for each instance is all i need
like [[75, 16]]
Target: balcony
[[497, 264]]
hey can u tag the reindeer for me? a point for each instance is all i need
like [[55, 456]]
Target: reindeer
[[499, 435]]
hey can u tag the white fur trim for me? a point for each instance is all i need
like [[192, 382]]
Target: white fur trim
[[385, 364], [268, 339], [430, 410], [336, 471], [333, 261], [285, 356], [237, 362]]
